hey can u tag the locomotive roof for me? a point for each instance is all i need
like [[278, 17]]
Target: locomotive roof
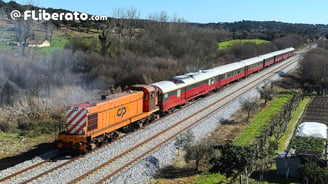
[[165, 86], [94, 102]]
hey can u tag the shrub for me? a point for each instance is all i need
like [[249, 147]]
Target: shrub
[[309, 144]]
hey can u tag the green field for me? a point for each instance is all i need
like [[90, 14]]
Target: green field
[[261, 120], [56, 44], [295, 116], [209, 178], [229, 43]]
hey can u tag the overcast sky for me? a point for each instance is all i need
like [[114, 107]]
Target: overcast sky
[[204, 11]]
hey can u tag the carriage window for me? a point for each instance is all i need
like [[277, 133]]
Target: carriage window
[[165, 97], [178, 93]]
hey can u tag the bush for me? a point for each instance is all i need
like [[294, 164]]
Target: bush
[[5, 126], [311, 173], [308, 144], [33, 129]]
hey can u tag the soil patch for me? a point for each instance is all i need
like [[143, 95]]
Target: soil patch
[[317, 111]]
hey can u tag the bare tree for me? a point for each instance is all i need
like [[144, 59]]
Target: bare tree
[[130, 17], [314, 69], [125, 23], [2, 19], [24, 31], [117, 34], [49, 29], [158, 24]]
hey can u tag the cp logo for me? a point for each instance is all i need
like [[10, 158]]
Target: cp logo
[[121, 112]]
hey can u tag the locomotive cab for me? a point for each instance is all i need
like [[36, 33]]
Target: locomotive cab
[[150, 97]]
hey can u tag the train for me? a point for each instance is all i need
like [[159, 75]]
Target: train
[[90, 124]]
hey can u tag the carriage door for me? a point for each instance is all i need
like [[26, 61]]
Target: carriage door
[[153, 99], [210, 84]]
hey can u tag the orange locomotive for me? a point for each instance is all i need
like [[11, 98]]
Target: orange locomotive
[[90, 124]]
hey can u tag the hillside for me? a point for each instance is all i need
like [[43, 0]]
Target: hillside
[[266, 30], [269, 28]]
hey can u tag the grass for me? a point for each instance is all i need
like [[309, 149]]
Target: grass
[[209, 178], [13, 144], [295, 116], [261, 119], [229, 43]]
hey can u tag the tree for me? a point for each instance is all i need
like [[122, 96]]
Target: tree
[[49, 29], [314, 69], [185, 140], [249, 105], [2, 20], [127, 19], [198, 151], [104, 42], [311, 173], [118, 33], [24, 31], [233, 160], [266, 92]]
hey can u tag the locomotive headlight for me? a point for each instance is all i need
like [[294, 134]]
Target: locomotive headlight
[[79, 144]]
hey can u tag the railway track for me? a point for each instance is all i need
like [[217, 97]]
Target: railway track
[[117, 163], [27, 170]]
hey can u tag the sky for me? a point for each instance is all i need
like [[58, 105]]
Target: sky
[[203, 11]]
